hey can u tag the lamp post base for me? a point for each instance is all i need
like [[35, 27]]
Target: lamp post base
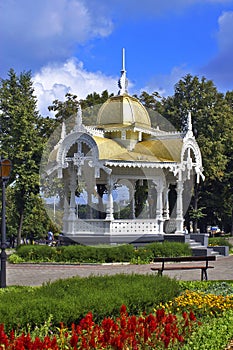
[[3, 268]]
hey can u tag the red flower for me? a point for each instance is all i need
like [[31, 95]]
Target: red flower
[[123, 310], [3, 336], [123, 323], [160, 314], [87, 321], [126, 332], [166, 341], [192, 316], [167, 329]]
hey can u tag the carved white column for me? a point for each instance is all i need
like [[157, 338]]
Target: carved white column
[[72, 216], [66, 206], [159, 208], [151, 199], [132, 201], [166, 215], [179, 207], [89, 203], [110, 209]]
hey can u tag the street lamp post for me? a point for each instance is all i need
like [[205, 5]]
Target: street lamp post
[[5, 169]]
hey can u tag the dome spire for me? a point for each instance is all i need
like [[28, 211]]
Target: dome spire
[[123, 81], [123, 60]]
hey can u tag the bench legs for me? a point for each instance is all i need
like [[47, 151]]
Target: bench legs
[[204, 274]]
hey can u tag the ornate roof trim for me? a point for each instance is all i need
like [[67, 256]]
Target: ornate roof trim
[[191, 143], [134, 164], [159, 134], [95, 131]]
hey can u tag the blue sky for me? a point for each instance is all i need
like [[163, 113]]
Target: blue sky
[[75, 45]]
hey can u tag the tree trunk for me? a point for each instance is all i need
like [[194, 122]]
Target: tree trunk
[[19, 235]]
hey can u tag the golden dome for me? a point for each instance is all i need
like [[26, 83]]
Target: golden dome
[[124, 110]]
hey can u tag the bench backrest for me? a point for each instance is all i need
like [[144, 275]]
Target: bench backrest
[[185, 258]]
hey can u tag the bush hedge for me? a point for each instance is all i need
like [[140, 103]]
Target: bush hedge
[[222, 241], [99, 254], [71, 299], [214, 334]]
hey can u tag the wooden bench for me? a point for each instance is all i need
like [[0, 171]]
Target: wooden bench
[[166, 266]]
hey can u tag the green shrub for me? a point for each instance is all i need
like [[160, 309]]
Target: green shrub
[[222, 241], [75, 253], [70, 300], [209, 287], [100, 254], [36, 252], [219, 288], [214, 334], [147, 253], [170, 249], [15, 259]]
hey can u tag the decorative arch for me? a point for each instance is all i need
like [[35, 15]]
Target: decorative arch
[[70, 140], [192, 145]]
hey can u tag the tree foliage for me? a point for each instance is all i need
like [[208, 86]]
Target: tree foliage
[[212, 118], [22, 139], [68, 108]]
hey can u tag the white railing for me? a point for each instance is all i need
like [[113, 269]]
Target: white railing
[[139, 226], [119, 227]]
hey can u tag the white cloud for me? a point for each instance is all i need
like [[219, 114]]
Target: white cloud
[[220, 68], [55, 80], [38, 31], [225, 38]]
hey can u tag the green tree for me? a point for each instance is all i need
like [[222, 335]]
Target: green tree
[[91, 106], [228, 178], [22, 138], [66, 109], [95, 99], [36, 223], [212, 122], [149, 101], [153, 104]]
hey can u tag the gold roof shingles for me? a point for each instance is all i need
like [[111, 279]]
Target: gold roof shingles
[[123, 109], [145, 151], [169, 149], [108, 149]]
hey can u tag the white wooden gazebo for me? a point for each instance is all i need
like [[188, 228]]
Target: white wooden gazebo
[[123, 150]]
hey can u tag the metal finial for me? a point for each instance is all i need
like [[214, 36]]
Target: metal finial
[[123, 81], [123, 59]]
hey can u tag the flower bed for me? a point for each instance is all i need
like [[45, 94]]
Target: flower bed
[[199, 318], [154, 331], [201, 303]]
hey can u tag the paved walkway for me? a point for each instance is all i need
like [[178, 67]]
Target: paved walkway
[[37, 274]]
